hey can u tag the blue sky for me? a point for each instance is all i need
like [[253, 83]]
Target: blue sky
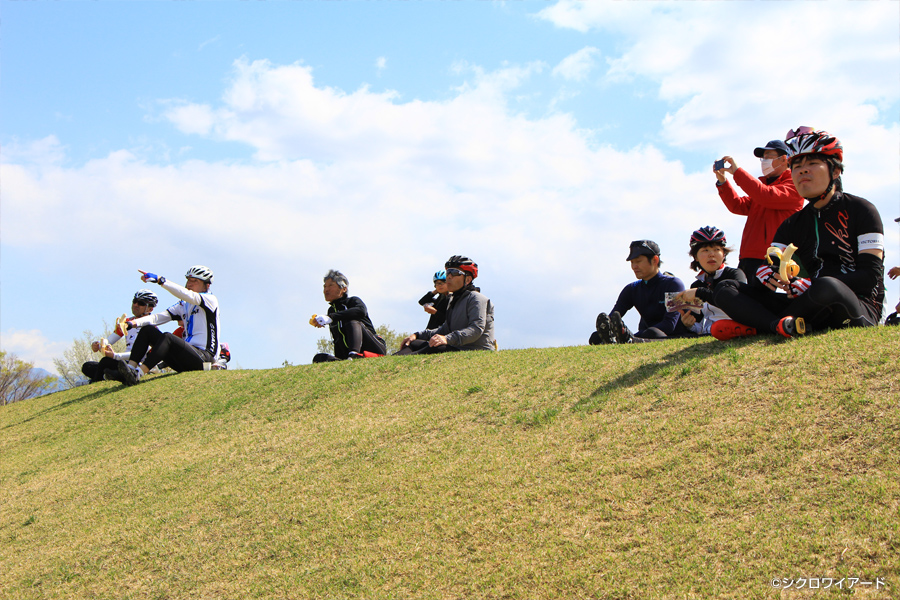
[[275, 140]]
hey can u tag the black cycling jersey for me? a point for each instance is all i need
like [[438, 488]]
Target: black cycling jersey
[[829, 241]]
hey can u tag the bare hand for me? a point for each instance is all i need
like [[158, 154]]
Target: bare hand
[[109, 352], [687, 317], [732, 166], [437, 340], [894, 273], [687, 295], [410, 338], [430, 309], [95, 346]]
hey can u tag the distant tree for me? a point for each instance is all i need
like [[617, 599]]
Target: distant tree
[[69, 366], [18, 381], [392, 340]]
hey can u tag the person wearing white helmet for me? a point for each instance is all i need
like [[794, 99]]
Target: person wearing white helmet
[[142, 304], [197, 308]]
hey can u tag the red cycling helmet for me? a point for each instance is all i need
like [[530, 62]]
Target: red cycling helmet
[[815, 142], [463, 263]]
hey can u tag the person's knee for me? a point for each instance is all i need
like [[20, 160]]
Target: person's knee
[[828, 290]]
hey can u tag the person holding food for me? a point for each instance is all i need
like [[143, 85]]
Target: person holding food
[[197, 308], [828, 269]]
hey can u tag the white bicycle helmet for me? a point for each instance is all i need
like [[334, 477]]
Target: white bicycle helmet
[[200, 272]]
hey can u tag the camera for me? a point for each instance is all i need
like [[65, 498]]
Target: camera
[[719, 165]]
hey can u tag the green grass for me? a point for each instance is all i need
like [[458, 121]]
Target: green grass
[[678, 469]]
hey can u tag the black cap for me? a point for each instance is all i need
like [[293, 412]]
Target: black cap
[[643, 248], [773, 145]]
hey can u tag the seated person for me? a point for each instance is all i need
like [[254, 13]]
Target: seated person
[[894, 317], [709, 250], [142, 304], [224, 358], [435, 302], [197, 308], [647, 295], [470, 316], [769, 200], [839, 240], [348, 319]]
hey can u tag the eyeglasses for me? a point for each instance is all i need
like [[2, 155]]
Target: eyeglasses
[[455, 272], [798, 132]]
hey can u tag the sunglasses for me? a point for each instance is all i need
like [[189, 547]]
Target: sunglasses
[[455, 272], [798, 132], [141, 303]]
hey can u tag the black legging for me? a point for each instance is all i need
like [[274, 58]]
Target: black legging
[[827, 303], [357, 338], [422, 347], [95, 371], [178, 354]]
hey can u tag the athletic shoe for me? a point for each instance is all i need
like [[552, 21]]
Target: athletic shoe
[[322, 358], [621, 331], [354, 355], [605, 330], [791, 327], [726, 329], [130, 375]]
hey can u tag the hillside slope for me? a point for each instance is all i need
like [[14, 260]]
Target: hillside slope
[[678, 469]]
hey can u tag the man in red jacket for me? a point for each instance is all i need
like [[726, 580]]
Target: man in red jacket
[[769, 201]]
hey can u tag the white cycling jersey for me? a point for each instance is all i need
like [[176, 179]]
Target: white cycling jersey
[[130, 336], [199, 312]]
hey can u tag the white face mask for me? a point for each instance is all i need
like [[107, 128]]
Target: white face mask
[[767, 167]]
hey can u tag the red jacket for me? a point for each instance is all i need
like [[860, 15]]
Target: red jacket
[[765, 206]]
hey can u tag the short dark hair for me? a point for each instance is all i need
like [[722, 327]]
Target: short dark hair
[[695, 265]]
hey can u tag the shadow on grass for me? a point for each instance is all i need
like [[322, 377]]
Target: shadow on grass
[[92, 396], [681, 361]]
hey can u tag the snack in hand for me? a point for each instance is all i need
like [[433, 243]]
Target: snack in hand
[[787, 268], [122, 326]]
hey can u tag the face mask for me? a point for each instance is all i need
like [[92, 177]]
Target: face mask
[[767, 167]]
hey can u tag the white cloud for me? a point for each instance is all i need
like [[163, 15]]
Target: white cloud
[[45, 151], [394, 190], [380, 63], [577, 66], [34, 347]]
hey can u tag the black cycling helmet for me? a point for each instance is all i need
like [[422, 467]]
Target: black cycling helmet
[[707, 235], [463, 263], [146, 296]]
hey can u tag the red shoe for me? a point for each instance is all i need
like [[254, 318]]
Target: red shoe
[[791, 327], [726, 329]]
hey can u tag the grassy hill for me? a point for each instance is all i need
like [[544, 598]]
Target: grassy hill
[[678, 469]]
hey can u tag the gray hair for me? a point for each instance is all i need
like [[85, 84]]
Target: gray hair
[[339, 278]]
